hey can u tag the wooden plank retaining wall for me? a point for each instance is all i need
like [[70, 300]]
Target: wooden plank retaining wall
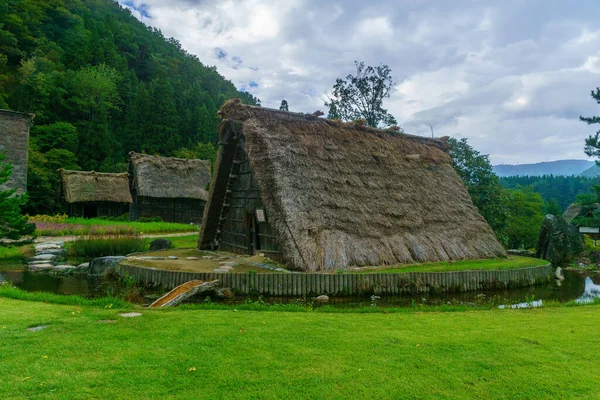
[[300, 284]]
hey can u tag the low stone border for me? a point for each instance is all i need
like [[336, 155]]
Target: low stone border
[[301, 284]]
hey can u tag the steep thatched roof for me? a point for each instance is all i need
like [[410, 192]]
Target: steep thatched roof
[[14, 140], [167, 177], [340, 194], [84, 186]]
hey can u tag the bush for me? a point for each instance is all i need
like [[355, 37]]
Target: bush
[[102, 246], [150, 219]]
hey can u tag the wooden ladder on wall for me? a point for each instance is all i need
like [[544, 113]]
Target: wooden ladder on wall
[[233, 174]]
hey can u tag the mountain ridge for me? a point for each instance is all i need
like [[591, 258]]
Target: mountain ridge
[[558, 167]]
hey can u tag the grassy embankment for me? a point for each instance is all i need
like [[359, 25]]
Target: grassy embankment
[[510, 262], [536, 353], [80, 226], [15, 254]]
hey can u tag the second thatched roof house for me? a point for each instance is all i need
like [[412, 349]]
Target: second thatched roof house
[[95, 194], [170, 188], [322, 195]]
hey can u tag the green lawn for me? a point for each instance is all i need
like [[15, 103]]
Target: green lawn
[[229, 354], [184, 242], [15, 254], [495, 263], [94, 226]]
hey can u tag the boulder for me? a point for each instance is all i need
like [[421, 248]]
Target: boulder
[[160, 244], [103, 265], [82, 269], [559, 242], [322, 298]]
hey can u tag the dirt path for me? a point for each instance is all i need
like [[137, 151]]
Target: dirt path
[[70, 238]]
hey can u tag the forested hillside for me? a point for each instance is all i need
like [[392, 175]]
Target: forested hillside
[[101, 84], [561, 189]]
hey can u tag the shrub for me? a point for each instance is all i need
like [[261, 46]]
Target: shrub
[[150, 219], [111, 245]]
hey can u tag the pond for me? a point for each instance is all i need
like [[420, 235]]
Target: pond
[[576, 286]]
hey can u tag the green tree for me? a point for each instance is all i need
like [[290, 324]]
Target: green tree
[[284, 106], [592, 143], [202, 151], [13, 225], [361, 96], [475, 170], [526, 212], [60, 135]]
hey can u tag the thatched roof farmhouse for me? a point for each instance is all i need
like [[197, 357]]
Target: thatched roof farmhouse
[[95, 194], [14, 140], [322, 195], [171, 188]]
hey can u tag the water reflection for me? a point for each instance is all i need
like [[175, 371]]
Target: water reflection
[[576, 286], [591, 291]]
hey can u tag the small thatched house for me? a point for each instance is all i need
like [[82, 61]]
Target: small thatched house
[[14, 140], [95, 194], [170, 188], [321, 195]]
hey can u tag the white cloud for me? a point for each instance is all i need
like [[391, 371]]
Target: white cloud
[[511, 76]]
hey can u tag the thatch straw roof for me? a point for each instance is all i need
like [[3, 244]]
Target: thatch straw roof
[[14, 140], [340, 194], [84, 186], [167, 177]]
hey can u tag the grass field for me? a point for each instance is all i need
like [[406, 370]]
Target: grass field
[[495, 263], [15, 254], [184, 242], [94, 226], [169, 354]]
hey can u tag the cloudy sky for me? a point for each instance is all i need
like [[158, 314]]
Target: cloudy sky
[[512, 76]]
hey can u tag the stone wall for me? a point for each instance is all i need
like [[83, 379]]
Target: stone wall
[[14, 139]]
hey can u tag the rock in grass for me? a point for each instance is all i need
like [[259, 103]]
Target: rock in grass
[[226, 267], [37, 328], [160, 244], [322, 298], [207, 257], [172, 258], [191, 258], [130, 315], [221, 270]]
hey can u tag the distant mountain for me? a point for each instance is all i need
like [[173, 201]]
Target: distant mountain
[[560, 167], [591, 172]]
